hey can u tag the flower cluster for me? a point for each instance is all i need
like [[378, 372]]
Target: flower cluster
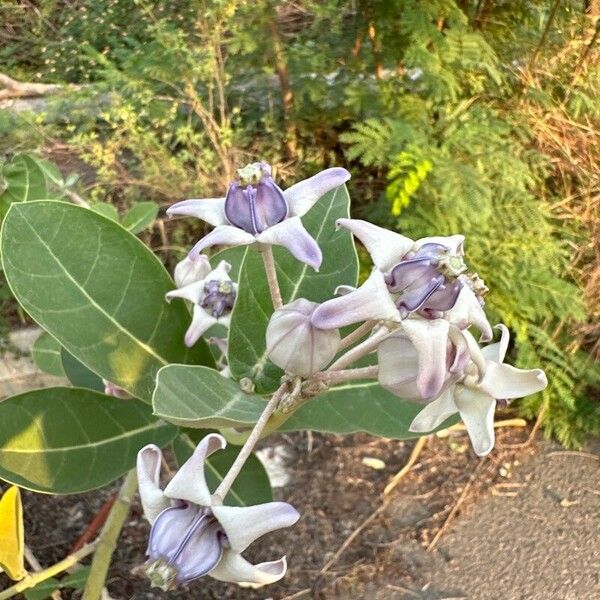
[[415, 313]]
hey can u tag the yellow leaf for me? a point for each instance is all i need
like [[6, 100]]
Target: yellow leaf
[[12, 543]]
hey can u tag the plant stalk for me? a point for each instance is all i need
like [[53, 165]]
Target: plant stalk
[[269, 262], [33, 579], [359, 351], [247, 448], [348, 374], [357, 334], [108, 538]]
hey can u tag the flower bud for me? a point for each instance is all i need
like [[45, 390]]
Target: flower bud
[[190, 270], [295, 344]]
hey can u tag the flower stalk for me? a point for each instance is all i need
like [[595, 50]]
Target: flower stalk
[[270, 270], [348, 374], [108, 538], [359, 350]]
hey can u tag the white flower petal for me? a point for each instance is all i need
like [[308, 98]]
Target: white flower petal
[[148, 473], [370, 302], [189, 483], [435, 413], [192, 292], [302, 196], [497, 351], [430, 339], [398, 367], [505, 382], [291, 234], [477, 412], [454, 242], [224, 235], [468, 311], [189, 270], [202, 320], [385, 247], [233, 568], [211, 210], [221, 273], [244, 524]]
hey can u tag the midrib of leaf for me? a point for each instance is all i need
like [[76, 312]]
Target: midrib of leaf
[[124, 435], [83, 291]]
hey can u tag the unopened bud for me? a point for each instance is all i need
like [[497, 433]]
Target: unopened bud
[[190, 270], [295, 344]]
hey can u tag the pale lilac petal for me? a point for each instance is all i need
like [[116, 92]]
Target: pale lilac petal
[[292, 235], [169, 529], [153, 499], [370, 302], [302, 196], [271, 206], [386, 247], [416, 296], [244, 524], [224, 235], [201, 553], [189, 270], [430, 339], [221, 273], [211, 210], [202, 321], [497, 352], [435, 413], [398, 367], [475, 354], [192, 292], [233, 568], [453, 242], [189, 482], [444, 298], [477, 412], [468, 311], [505, 382]]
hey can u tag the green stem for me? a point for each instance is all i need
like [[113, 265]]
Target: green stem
[[108, 538], [270, 270], [35, 578]]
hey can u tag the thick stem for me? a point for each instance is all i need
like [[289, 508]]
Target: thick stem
[[544, 35], [359, 351], [269, 262], [357, 334], [108, 538], [348, 374], [35, 578], [247, 448]]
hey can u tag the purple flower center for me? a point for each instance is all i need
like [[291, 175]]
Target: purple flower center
[[255, 202], [219, 297], [427, 281], [186, 542]]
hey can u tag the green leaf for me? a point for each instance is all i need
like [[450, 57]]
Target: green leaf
[[250, 317], [42, 590], [78, 374], [45, 353], [23, 179], [106, 210], [251, 486], [98, 290], [140, 216], [358, 407], [201, 398], [77, 579], [68, 440]]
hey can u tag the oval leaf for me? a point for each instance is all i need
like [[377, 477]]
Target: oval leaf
[[140, 216], [201, 398], [69, 440], [250, 317], [45, 353], [358, 407], [78, 374], [98, 290], [251, 486], [12, 543]]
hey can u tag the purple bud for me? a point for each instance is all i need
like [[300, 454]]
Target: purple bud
[[219, 297], [186, 542], [255, 202]]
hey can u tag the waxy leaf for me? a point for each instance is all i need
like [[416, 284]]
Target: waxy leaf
[[106, 210], [201, 398], [251, 486], [45, 353], [22, 179], [69, 440], [140, 216], [12, 543], [98, 290], [358, 407], [78, 374], [253, 308]]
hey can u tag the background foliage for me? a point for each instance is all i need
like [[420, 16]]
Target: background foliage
[[474, 116]]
